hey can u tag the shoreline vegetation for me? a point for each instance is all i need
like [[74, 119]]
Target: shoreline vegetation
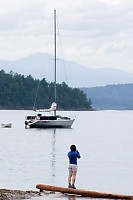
[[25, 93]]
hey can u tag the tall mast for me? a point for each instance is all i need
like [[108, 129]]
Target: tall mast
[[55, 57]]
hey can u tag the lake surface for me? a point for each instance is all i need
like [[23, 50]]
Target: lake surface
[[32, 156]]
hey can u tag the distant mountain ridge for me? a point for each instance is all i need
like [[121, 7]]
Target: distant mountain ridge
[[111, 97], [41, 65]]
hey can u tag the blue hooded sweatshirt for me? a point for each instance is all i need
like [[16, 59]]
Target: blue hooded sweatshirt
[[73, 155]]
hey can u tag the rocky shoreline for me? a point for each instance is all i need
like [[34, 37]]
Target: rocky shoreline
[[6, 194]]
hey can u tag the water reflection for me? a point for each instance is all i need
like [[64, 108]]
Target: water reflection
[[53, 158]]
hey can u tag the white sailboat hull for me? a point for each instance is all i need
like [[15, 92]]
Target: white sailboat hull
[[51, 123]]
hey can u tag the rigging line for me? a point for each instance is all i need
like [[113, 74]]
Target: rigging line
[[36, 95], [62, 53]]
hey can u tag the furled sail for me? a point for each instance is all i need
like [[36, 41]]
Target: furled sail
[[52, 108]]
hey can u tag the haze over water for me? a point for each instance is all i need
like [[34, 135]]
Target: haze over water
[[32, 156]]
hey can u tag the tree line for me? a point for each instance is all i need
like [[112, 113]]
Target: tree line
[[19, 92]]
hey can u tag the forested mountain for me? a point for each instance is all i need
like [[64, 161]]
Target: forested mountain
[[19, 92], [111, 97]]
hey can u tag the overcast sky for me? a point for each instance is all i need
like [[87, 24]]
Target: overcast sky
[[94, 33]]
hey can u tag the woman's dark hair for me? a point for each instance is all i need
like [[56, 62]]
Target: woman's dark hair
[[73, 147]]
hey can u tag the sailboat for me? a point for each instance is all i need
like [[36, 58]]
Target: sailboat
[[49, 121]]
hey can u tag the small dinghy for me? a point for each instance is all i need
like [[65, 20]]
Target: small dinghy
[[6, 125]]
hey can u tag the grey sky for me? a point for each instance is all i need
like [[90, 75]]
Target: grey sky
[[95, 33]]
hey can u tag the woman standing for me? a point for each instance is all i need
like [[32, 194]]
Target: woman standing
[[73, 155]]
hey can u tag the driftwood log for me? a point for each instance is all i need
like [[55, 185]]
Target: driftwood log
[[84, 193]]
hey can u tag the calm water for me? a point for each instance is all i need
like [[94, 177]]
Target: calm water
[[32, 156]]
